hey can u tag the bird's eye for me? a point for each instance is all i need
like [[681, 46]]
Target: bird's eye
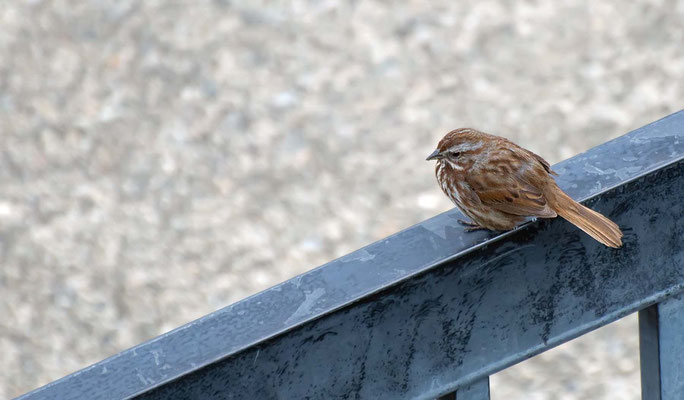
[[455, 153]]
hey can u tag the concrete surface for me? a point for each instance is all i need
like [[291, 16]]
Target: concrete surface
[[162, 159]]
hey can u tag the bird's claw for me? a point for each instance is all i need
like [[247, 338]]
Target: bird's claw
[[467, 223], [474, 228], [470, 226]]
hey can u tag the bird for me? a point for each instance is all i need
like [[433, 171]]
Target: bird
[[498, 185]]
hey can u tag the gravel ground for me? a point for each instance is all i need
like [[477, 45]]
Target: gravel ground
[[162, 159]]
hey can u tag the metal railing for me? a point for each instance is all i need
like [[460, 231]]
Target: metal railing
[[432, 312]]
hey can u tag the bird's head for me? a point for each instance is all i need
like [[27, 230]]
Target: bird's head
[[457, 143]]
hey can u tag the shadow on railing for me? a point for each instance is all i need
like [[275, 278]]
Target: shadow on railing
[[431, 311]]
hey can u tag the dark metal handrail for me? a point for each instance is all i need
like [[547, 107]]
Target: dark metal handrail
[[431, 310]]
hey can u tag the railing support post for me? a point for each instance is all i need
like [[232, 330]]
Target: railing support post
[[661, 348], [475, 391]]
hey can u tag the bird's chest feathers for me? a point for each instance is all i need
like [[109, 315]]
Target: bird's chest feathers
[[451, 177]]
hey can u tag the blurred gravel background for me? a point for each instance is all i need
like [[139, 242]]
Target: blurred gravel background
[[162, 159]]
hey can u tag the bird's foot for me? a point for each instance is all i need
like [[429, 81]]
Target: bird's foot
[[470, 226], [475, 228]]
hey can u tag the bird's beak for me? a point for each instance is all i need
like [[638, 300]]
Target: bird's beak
[[435, 155]]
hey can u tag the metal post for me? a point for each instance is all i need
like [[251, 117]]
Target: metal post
[[450, 396], [661, 341], [475, 391]]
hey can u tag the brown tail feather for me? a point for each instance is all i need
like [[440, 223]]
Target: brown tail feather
[[591, 222]]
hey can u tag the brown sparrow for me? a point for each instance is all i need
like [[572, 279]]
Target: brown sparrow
[[497, 184]]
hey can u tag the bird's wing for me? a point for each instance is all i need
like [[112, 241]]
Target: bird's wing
[[510, 192], [544, 163]]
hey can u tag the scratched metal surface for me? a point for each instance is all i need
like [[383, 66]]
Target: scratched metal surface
[[430, 308]]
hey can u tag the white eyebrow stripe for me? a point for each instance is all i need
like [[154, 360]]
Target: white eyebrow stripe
[[460, 148]]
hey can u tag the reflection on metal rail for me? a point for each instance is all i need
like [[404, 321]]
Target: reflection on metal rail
[[431, 312]]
